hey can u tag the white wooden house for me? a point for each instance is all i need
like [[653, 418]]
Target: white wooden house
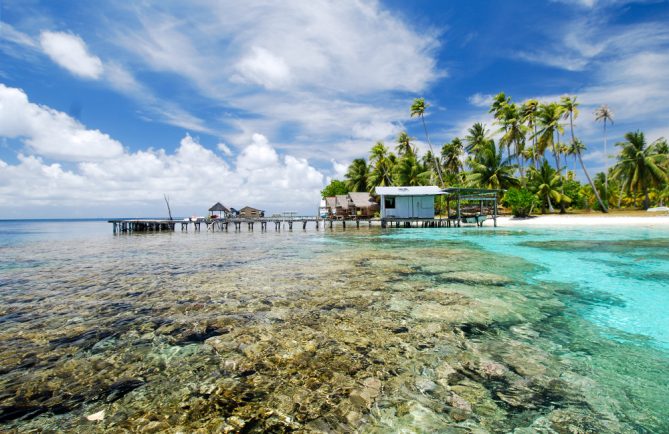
[[408, 202]]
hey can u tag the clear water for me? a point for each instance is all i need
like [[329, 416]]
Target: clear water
[[418, 330]]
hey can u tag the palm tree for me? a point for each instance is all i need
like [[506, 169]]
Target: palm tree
[[382, 164], [640, 166], [418, 109], [603, 113], [570, 108], [477, 138], [404, 145], [490, 170], [451, 154], [549, 116], [357, 174], [498, 104], [544, 183], [514, 132], [529, 117], [409, 171]]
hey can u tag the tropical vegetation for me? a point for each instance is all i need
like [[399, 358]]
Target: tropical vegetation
[[527, 152]]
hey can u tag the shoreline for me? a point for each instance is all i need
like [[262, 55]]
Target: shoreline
[[652, 220]]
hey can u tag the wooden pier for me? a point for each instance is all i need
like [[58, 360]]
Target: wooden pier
[[121, 226]]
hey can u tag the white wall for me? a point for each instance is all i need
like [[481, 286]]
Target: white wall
[[409, 207]]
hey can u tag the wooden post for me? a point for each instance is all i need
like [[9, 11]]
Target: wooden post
[[494, 211], [458, 214]]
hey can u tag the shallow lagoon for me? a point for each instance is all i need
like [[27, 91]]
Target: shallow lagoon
[[472, 330]]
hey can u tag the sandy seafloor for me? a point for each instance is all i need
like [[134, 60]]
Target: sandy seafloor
[[532, 329]]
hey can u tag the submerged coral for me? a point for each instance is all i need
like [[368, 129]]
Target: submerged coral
[[292, 332]]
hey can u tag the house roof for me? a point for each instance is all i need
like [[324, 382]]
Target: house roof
[[331, 202], [249, 208], [342, 200], [361, 199], [219, 207], [428, 190]]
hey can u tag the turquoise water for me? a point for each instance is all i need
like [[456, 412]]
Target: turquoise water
[[369, 330], [623, 271]]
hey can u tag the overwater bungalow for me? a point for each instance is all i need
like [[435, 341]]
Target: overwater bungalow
[[342, 206], [220, 209], [250, 212], [331, 206], [362, 205]]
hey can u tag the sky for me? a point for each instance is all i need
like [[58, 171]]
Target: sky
[[105, 107]]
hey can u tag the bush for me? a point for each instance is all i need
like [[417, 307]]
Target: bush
[[520, 200]]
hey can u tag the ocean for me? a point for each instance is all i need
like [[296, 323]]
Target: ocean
[[368, 330]]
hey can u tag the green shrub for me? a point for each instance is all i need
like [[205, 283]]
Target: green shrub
[[520, 200]]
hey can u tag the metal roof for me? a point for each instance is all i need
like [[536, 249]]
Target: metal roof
[[428, 190]]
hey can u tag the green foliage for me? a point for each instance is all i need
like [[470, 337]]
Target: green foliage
[[572, 189], [334, 188], [520, 200]]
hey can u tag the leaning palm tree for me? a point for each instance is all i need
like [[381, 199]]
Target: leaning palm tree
[[640, 166], [604, 114], [418, 109], [570, 107], [357, 175], [490, 170]]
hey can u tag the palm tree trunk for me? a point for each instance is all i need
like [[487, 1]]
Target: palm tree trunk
[[606, 160], [646, 199], [441, 180], [557, 162], [550, 205], [592, 185]]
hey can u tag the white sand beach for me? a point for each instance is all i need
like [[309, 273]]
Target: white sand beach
[[650, 220]]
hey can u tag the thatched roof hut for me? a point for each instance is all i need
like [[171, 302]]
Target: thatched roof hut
[[250, 212], [363, 204], [219, 208]]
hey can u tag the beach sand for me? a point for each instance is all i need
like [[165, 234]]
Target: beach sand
[[643, 220]]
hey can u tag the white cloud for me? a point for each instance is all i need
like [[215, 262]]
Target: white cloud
[[224, 149], [264, 68], [481, 100], [374, 131], [339, 169], [132, 183], [70, 52], [51, 133]]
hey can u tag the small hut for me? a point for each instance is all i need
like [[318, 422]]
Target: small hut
[[331, 206], [251, 213], [220, 209], [362, 204], [342, 206]]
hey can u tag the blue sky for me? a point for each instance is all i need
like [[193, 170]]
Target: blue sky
[[105, 106]]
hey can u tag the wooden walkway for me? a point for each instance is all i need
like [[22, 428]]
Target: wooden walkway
[[147, 225]]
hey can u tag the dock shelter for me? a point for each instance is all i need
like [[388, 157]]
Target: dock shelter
[[471, 205]]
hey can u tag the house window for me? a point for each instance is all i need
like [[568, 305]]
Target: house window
[[389, 202]]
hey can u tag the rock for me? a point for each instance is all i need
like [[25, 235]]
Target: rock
[[353, 418], [447, 373], [95, 417], [361, 399], [372, 386], [460, 408], [425, 385], [492, 370]]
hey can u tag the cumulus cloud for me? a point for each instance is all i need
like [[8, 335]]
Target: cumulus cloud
[[480, 100], [70, 52], [225, 149], [51, 133], [128, 183]]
